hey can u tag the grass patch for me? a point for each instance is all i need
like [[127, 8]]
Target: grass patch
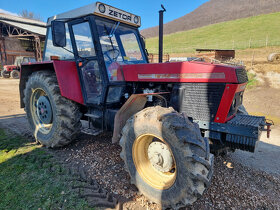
[[252, 32], [252, 80], [30, 178]]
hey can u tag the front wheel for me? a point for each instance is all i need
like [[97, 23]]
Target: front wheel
[[166, 157], [54, 120], [15, 74]]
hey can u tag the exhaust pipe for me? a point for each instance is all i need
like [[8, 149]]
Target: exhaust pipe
[[160, 44]]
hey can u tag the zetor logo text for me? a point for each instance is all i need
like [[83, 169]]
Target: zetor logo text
[[119, 15], [109, 11]]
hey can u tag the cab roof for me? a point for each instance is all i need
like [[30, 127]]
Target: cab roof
[[100, 9]]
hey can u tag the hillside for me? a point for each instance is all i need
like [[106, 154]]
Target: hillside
[[216, 11], [257, 31]]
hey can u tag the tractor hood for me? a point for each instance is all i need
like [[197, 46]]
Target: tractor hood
[[184, 72], [9, 67]]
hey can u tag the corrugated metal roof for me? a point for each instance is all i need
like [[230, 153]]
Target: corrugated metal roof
[[33, 26], [29, 28], [21, 19]]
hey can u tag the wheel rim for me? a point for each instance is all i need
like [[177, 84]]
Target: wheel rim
[[41, 111], [145, 166]]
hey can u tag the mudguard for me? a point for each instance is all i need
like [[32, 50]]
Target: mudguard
[[67, 77]]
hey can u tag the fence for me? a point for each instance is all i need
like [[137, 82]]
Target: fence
[[232, 44], [153, 58]]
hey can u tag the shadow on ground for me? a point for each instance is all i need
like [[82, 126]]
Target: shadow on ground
[[17, 123]]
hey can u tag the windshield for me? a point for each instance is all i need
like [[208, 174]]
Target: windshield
[[120, 43]]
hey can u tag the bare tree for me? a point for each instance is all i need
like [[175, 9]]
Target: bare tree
[[31, 15]]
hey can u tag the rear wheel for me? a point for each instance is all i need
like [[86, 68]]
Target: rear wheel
[[54, 120], [166, 157], [15, 74], [5, 74]]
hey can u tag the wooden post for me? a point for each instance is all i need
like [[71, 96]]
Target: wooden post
[[250, 42], [253, 58]]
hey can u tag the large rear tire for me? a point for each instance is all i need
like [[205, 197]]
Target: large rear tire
[[166, 157], [15, 74], [54, 120]]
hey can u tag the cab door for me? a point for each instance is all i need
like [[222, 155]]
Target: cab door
[[87, 61]]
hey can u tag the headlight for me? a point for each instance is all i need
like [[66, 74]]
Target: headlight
[[136, 19], [102, 8]]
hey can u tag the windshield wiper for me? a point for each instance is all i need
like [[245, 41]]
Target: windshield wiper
[[114, 28], [111, 34]]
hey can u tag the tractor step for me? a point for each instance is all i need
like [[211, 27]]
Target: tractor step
[[91, 131], [94, 116]]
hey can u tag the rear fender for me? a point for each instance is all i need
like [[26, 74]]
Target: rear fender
[[67, 77]]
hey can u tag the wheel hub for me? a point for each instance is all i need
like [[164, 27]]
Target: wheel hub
[[160, 157], [44, 110]]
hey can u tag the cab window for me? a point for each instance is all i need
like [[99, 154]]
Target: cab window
[[120, 45], [83, 40]]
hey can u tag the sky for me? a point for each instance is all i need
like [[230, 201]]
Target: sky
[[147, 9]]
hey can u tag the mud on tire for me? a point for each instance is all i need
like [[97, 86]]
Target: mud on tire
[[194, 163], [65, 124]]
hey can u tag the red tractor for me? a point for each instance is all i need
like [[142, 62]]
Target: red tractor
[[13, 70], [167, 117]]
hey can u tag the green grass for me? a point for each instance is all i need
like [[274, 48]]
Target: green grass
[[30, 178], [227, 35], [252, 80]]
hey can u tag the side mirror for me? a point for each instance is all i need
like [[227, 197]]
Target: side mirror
[[58, 33]]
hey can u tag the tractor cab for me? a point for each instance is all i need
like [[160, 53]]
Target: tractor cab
[[99, 38]]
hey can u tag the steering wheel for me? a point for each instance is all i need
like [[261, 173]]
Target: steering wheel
[[115, 52]]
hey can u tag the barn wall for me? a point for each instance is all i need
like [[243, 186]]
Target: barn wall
[[15, 48]]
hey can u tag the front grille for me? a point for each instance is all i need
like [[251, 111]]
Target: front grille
[[241, 76], [199, 100]]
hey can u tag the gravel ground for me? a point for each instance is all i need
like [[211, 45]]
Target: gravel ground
[[234, 186]]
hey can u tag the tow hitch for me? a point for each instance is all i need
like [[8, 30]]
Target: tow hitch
[[268, 124]]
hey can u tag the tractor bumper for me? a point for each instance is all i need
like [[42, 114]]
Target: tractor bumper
[[242, 132]]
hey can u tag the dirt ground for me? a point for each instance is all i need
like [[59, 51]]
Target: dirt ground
[[241, 179]]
